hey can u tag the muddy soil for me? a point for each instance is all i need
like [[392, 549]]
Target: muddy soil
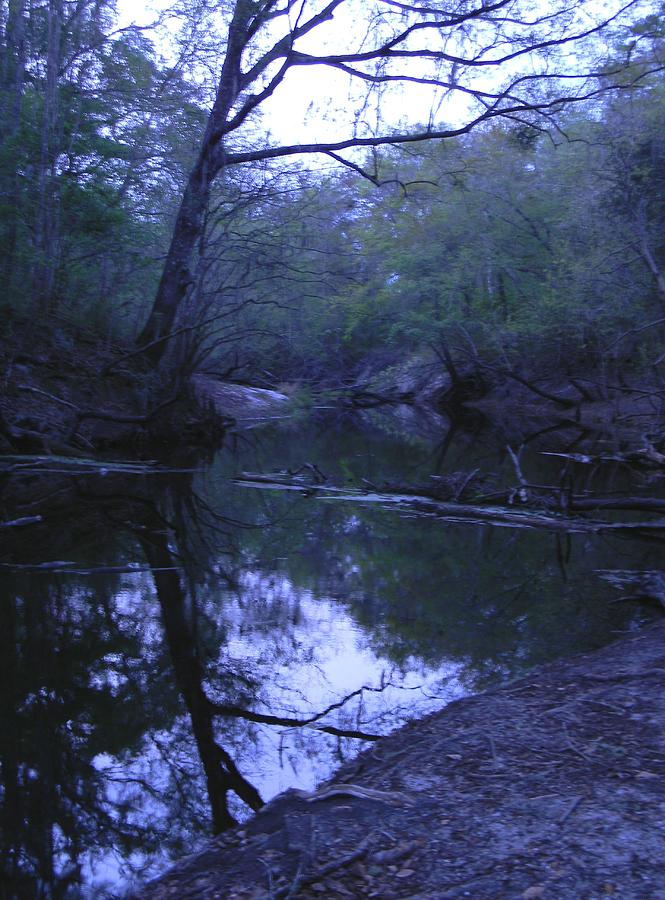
[[552, 786]]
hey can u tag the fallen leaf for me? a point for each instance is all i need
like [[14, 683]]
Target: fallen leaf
[[405, 873], [533, 893]]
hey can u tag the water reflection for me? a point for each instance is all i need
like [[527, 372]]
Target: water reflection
[[144, 709]]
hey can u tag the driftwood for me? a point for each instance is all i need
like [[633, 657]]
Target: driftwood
[[50, 464], [24, 520], [509, 516], [71, 568], [647, 456]]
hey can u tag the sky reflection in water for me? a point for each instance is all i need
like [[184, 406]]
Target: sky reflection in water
[[113, 684]]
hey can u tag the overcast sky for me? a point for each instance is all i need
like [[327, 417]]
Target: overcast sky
[[314, 103], [310, 104]]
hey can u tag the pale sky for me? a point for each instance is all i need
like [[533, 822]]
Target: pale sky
[[314, 103], [311, 104]]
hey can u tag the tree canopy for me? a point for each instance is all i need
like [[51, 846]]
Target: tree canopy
[[505, 60], [526, 207]]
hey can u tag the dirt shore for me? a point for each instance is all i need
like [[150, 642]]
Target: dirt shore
[[552, 786], [69, 393]]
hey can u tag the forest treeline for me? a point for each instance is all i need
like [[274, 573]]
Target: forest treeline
[[522, 247]]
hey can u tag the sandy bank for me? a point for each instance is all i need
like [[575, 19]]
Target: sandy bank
[[549, 786]]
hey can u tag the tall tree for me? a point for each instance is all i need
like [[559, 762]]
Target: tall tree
[[499, 58], [95, 140]]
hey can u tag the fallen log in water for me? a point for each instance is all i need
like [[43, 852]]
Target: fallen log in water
[[644, 457], [52, 464], [67, 567], [454, 511], [637, 504]]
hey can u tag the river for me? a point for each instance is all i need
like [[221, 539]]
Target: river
[[176, 648]]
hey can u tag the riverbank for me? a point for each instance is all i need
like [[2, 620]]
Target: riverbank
[[70, 393], [552, 785]]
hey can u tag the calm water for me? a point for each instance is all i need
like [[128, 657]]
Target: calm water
[[144, 702]]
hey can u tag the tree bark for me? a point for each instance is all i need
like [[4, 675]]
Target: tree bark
[[178, 272], [653, 267], [46, 225], [13, 76]]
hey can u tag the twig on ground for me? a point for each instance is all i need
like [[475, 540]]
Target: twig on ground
[[359, 791], [571, 746], [271, 887], [301, 880], [497, 761], [24, 520], [296, 884], [618, 676], [570, 809]]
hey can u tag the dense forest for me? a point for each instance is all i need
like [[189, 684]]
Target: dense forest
[[432, 235], [528, 241]]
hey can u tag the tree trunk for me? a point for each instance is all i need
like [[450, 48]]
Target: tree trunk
[[178, 271], [653, 266], [177, 274], [13, 76], [46, 225]]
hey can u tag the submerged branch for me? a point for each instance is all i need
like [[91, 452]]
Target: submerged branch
[[24, 520], [78, 465], [71, 568]]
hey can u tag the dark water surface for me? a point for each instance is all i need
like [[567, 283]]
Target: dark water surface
[[147, 702]]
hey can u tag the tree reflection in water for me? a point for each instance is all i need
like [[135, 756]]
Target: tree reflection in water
[[107, 677], [143, 710]]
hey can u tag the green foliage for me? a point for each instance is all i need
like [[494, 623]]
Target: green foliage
[[545, 253], [95, 138], [540, 248]]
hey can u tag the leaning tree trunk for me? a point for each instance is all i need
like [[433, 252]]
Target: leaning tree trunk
[[178, 271], [177, 274]]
